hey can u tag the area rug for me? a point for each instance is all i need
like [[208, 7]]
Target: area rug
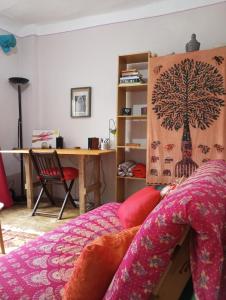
[[15, 237]]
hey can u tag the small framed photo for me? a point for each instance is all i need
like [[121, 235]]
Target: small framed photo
[[81, 102]]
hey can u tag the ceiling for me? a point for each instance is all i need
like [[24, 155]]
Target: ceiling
[[40, 17]]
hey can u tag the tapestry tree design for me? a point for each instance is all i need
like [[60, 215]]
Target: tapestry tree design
[[186, 94]]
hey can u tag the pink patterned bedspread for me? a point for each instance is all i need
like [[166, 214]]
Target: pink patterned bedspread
[[40, 269], [199, 202]]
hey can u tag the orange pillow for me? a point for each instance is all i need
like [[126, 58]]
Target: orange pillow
[[97, 264], [134, 210]]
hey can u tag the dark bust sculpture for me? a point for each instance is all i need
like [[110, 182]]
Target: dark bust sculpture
[[193, 44]]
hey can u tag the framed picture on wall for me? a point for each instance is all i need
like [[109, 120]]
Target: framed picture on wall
[[81, 102]]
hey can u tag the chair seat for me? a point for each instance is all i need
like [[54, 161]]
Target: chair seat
[[69, 172]]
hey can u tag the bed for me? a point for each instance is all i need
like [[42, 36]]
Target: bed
[[41, 268]]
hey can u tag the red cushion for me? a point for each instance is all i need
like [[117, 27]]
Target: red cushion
[[134, 210], [69, 172], [96, 265]]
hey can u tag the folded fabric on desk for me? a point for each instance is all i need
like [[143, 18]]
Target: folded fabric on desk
[[125, 168], [139, 170]]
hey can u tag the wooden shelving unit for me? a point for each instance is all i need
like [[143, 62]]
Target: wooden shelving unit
[[133, 87], [125, 98]]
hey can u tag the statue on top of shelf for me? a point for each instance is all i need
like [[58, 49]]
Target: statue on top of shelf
[[193, 44]]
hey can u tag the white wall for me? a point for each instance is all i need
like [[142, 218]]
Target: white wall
[[8, 106], [28, 61], [88, 57]]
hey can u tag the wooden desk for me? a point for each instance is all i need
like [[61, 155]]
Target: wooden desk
[[83, 156]]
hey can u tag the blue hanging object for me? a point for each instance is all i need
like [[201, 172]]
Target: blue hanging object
[[7, 41]]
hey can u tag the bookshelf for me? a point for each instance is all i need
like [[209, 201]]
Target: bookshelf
[[131, 128]]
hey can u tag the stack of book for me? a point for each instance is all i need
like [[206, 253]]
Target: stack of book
[[130, 76]]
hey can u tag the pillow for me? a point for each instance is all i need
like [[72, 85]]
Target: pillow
[[96, 265], [134, 210]]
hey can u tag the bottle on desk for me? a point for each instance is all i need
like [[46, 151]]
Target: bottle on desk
[[59, 142]]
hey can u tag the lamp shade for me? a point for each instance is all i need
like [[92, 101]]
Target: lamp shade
[[18, 80]]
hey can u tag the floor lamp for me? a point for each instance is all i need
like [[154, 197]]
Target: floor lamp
[[19, 82]]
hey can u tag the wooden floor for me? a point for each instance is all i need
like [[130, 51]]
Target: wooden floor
[[20, 217]]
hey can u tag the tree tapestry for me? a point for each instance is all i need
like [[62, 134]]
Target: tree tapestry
[[186, 113]]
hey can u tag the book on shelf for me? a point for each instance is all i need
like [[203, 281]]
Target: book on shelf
[[131, 77], [128, 70], [130, 80], [131, 74]]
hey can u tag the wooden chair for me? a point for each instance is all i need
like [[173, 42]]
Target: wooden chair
[[50, 171]]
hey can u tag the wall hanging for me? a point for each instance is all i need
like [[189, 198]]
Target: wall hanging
[[186, 115]]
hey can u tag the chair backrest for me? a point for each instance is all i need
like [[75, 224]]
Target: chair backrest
[[47, 165]]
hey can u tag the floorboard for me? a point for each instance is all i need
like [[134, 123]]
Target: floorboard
[[19, 216]]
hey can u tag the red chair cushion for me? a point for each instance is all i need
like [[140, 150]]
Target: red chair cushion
[[69, 172]]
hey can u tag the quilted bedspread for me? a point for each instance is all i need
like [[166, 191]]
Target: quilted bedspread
[[40, 269], [199, 202]]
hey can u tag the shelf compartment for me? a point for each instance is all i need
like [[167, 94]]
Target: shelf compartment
[[133, 86], [134, 58], [133, 117], [131, 178]]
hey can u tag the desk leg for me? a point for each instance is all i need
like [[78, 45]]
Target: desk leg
[[97, 176], [82, 184], [29, 182], [85, 188]]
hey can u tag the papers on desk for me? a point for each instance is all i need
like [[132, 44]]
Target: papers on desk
[[42, 138]]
